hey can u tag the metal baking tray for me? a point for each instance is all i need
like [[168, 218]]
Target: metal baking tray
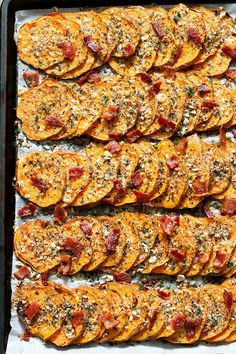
[[8, 80]]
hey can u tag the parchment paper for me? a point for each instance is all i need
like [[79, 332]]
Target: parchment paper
[[35, 345]]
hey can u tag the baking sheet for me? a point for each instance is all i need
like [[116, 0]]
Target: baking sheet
[[15, 344]]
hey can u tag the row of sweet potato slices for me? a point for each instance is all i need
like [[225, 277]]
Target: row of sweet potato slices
[[115, 312], [131, 40], [116, 107]]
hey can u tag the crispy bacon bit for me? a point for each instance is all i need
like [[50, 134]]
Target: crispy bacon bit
[[108, 320], [200, 188], [190, 326], [194, 35], [223, 138], [169, 223], [72, 246], [22, 273], [152, 319], [166, 122], [228, 207], [53, 121], [163, 294], [172, 162], [169, 72], [122, 277], [25, 337], [155, 88], [209, 104], [91, 45], [145, 78], [142, 197], [76, 172], [208, 211], [111, 112], [109, 201], [202, 257], [112, 240], [231, 74], [78, 318], [113, 147], [44, 278], [114, 136], [229, 51], [178, 321], [118, 186], [60, 214], [65, 265], [181, 146], [136, 179], [220, 259], [31, 311], [86, 228], [41, 185], [128, 50], [203, 89], [91, 76], [31, 78], [177, 255], [135, 301], [158, 28], [68, 50], [228, 299], [133, 135], [27, 210]]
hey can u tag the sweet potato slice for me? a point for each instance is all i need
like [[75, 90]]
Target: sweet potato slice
[[112, 32], [41, 178]]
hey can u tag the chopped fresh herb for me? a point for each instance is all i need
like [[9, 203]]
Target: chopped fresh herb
[[177, 17], [190, 91], [230, 264], [141, 286]]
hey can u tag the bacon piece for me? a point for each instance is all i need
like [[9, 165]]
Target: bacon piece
[[158, 28], [133, 135], [200, 188], [169, 223], [202, 257], [231, 74], [114, 136], [22, 273], [68, 50], [194, 35], [91, 76], [113, 147], [169, 72], [145, 78], [190, 326], [229, 51], [44, 278], [25, 337], [41, 185], [152, 319], [86, 228], [111, 112], [122, 277], [220, 259], [31, 78], [163, 294], [177, 255], [135, 301], [172, 162], [142, 197], [72, 246], [228, 207], [76, 172], [27, 210], [208, 211], [118, 186], [60, 214], [65, 266], [178, 321], [228, 299], [53, 121], [128, 50], [181, 146], [155, 88], [166, 122], [203, 89], [209, 104], [91, 45], [31, 311], [109, 201], [112, 240], [78, 318], [108, 320], [223, 138], [136, 179]]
